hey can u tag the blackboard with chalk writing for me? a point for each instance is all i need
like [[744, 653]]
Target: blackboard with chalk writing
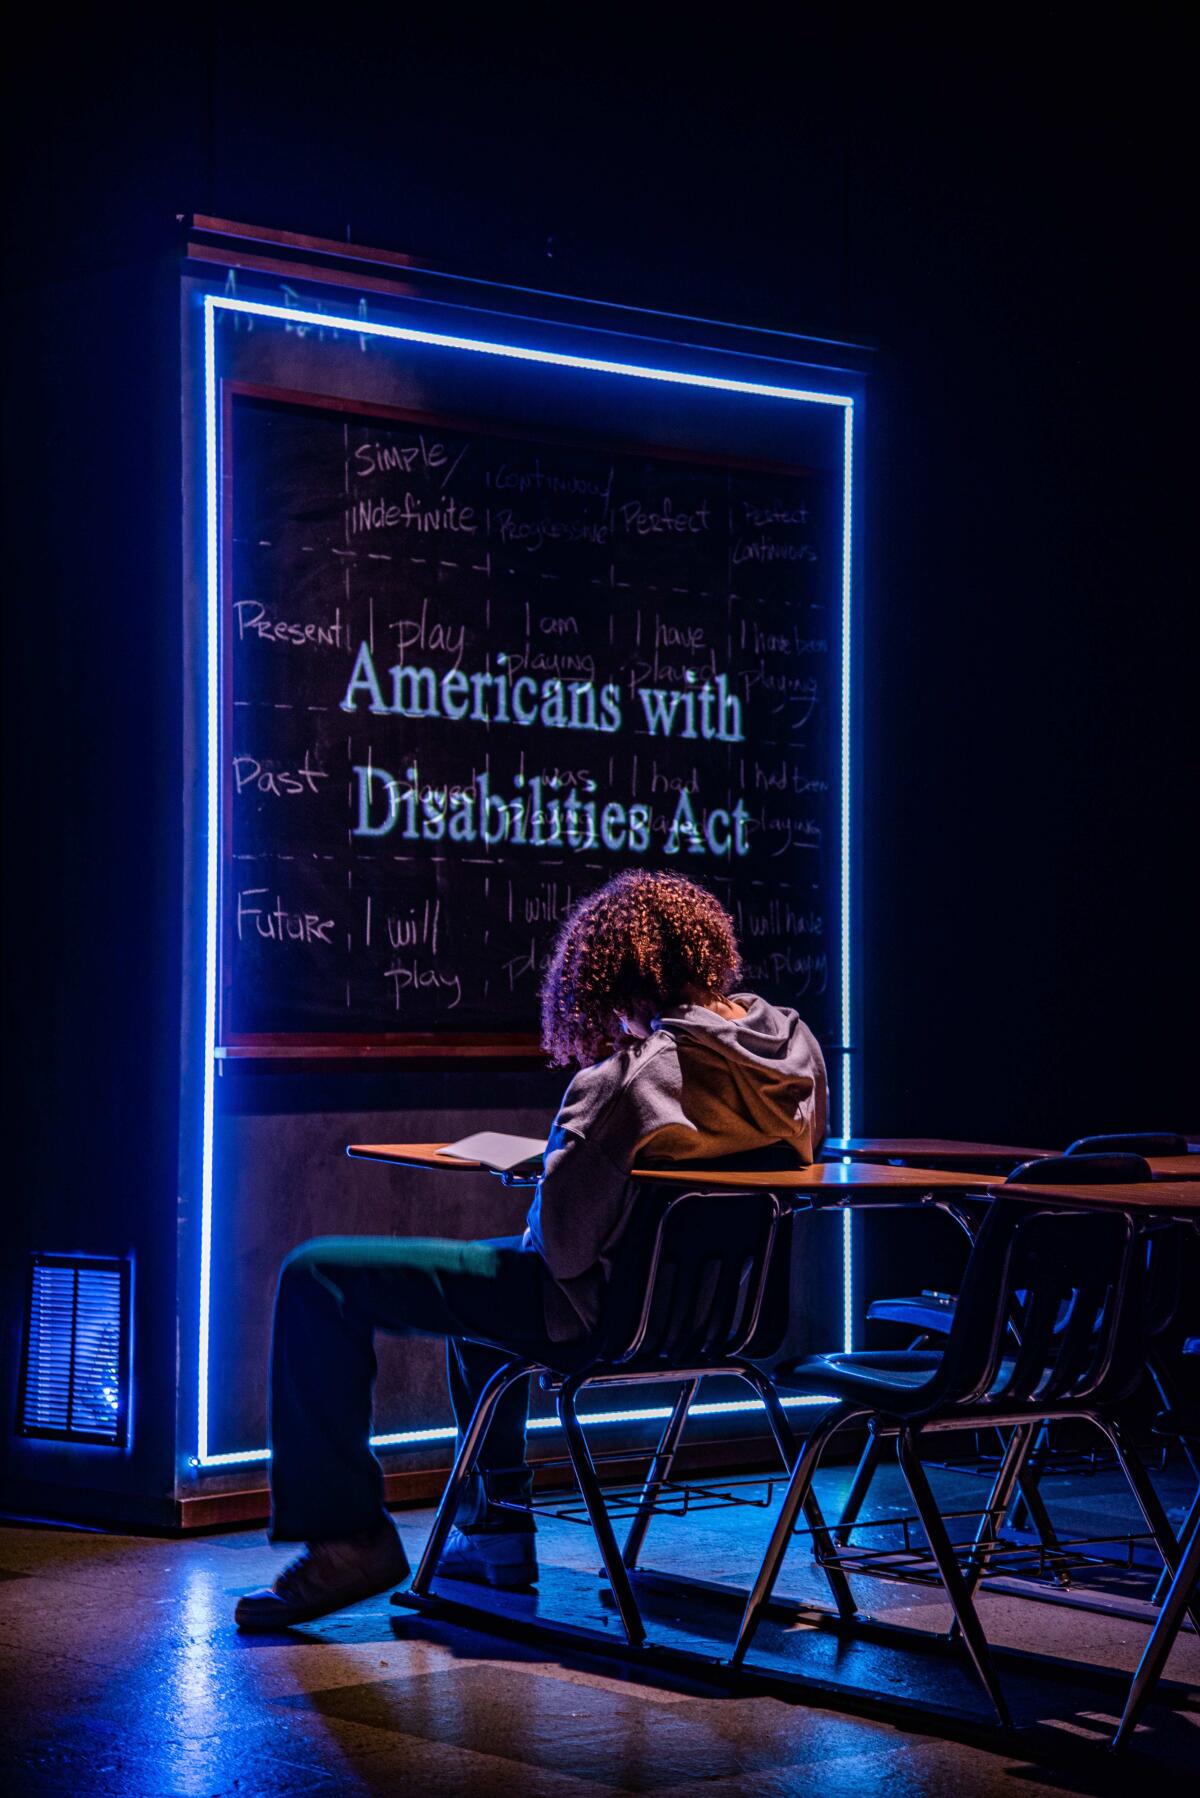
[[469, 673]]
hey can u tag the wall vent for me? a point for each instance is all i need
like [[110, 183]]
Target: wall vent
[[75, 1362]]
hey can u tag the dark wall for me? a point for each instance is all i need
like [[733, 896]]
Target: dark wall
[[93, 846], [1006, 219]]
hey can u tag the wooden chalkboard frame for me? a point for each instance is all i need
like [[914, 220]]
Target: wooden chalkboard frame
[[317, 1047]]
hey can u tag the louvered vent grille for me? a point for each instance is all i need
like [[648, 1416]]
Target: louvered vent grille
[[75, 1366]]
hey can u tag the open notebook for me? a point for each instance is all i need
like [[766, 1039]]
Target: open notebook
[[502, 1153]]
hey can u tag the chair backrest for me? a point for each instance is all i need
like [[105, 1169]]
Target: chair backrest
[[1132, 1142], [1071, 1282], [690, 1276], [1165, 1250], [1104, 1168]]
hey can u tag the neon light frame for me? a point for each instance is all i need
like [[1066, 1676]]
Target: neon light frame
[[214, 303]]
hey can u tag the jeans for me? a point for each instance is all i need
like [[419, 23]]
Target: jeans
[[334, 1293]]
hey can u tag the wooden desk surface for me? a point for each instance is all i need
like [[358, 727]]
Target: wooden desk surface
[[934, 1152], [857, 1179], [827, 1176], [1175, 1167], [928, 1151], [1181, 1198]]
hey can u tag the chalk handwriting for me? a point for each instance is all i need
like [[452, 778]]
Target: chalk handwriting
[[495, 672], [254, 620]]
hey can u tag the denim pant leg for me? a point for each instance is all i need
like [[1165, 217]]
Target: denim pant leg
[[333, 1294], [502, 1475]]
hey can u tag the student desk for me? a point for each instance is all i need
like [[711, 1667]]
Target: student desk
[[825, 1182], [936, 1152], [1151, 1198], [1175, 1167], [930, 1151], [837, 1184], [824, 1186]]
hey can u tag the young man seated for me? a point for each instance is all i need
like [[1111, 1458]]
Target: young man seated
[[675, 1065]]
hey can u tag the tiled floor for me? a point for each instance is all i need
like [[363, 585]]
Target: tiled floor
[[122, 1673]]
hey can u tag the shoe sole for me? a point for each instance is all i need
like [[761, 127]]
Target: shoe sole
[[265, 1626]]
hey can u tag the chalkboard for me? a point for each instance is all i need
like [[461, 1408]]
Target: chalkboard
[[469, 673]]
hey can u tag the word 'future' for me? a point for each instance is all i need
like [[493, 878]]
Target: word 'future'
[[709, 711]]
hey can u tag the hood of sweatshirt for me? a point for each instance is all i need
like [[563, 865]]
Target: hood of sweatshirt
[[770, 1058]]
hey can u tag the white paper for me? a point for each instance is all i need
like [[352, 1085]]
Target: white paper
[[496, 1149]]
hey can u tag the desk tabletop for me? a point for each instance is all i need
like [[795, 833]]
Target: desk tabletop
[[1175, 1167], [933, 1152], [928, 1151], [828, 1180], [826, 1176], [1179, 1198]]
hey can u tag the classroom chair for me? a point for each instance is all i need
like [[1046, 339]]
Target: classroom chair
[[690, 1292], [1179, 1595], [1073, 1281], [932, 1313]]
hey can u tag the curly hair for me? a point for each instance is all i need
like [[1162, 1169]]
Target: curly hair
[[640, 942]]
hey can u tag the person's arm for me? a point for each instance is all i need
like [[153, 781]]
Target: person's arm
[[579, 1204]]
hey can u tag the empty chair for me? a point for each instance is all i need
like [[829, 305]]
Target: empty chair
[[1178, 1599], [932, 1313], [1073, 1281]]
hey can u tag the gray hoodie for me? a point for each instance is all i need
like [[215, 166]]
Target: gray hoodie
[[700, 1087]]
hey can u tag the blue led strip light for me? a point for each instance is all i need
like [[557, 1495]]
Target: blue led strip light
[[214, 303], [448, 1433], [211, 852], [847, 1108]]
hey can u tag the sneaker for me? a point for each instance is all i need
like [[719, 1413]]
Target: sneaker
[[506, 1558], [325, 1577]]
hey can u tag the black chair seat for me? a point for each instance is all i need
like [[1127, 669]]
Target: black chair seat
[[927, 1311], [876, 1375]]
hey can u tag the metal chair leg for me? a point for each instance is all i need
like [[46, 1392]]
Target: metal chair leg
[[825, 1553], [799, 1488], [956, 1589], [1149, 1502], [1021, 1515], [657, 1473], [824, 1550], [860, 1485], [1029, 1488], [777, 1417], [1013, 1475], [593, 1498], [464, 1466], [1191, 1524], [1016, 1453], [1166, 1628]]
